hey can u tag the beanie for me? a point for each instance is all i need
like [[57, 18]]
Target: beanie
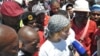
[[57, 23]]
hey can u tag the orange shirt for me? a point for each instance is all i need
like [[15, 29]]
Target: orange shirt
[[42, 38], [46, 19]]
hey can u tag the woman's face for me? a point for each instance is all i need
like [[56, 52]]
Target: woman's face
[[65, 32], [56, 37]]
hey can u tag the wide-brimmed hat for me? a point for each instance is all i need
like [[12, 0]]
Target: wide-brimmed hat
[[81, 5], [19, 1]]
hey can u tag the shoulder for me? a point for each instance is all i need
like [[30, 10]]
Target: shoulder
[[92, 25], [92, 22], [45, 48], [46, 45], [71, 36]]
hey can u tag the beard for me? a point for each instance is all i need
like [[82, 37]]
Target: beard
[[79, 21]]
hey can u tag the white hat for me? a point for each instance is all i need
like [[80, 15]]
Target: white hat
[[19, 1], [81, 5]]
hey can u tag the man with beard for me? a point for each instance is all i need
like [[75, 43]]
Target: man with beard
[[8, 41], [82, 25], [30, 41]]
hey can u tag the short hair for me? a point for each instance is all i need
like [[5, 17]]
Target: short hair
[[53, 1], [69, 5]]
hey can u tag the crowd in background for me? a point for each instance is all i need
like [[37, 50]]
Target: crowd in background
[[49, 28]]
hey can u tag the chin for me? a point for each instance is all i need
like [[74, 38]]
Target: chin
[[65, 37]]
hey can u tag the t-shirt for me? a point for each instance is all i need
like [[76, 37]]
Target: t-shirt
[[57, 49]]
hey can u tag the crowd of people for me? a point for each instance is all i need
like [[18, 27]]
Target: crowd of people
[[49, 28]]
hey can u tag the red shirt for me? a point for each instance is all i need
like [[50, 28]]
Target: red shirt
[[88, 37], [46, 19], [42, 40], [41, 33]]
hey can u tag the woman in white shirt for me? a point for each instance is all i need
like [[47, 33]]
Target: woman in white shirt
[[57, 31]]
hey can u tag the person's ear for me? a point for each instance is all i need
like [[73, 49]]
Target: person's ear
[[20, 44]]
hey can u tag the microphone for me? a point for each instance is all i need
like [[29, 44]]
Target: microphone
[[71, 49], [79, 48]]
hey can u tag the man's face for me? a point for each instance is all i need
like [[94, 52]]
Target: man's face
[[69, 9], [95, 15], [32, 23], [55, 8], [30, 44], [81, 17], [11, 49]]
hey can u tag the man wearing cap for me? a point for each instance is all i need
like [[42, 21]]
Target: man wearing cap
[[8, 41], [82, 25], [36, 22], [41, 13], [11, 12], [28, 19], [95, 15], [41, 20]]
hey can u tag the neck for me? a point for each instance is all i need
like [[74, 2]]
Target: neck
[[54, 39]]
